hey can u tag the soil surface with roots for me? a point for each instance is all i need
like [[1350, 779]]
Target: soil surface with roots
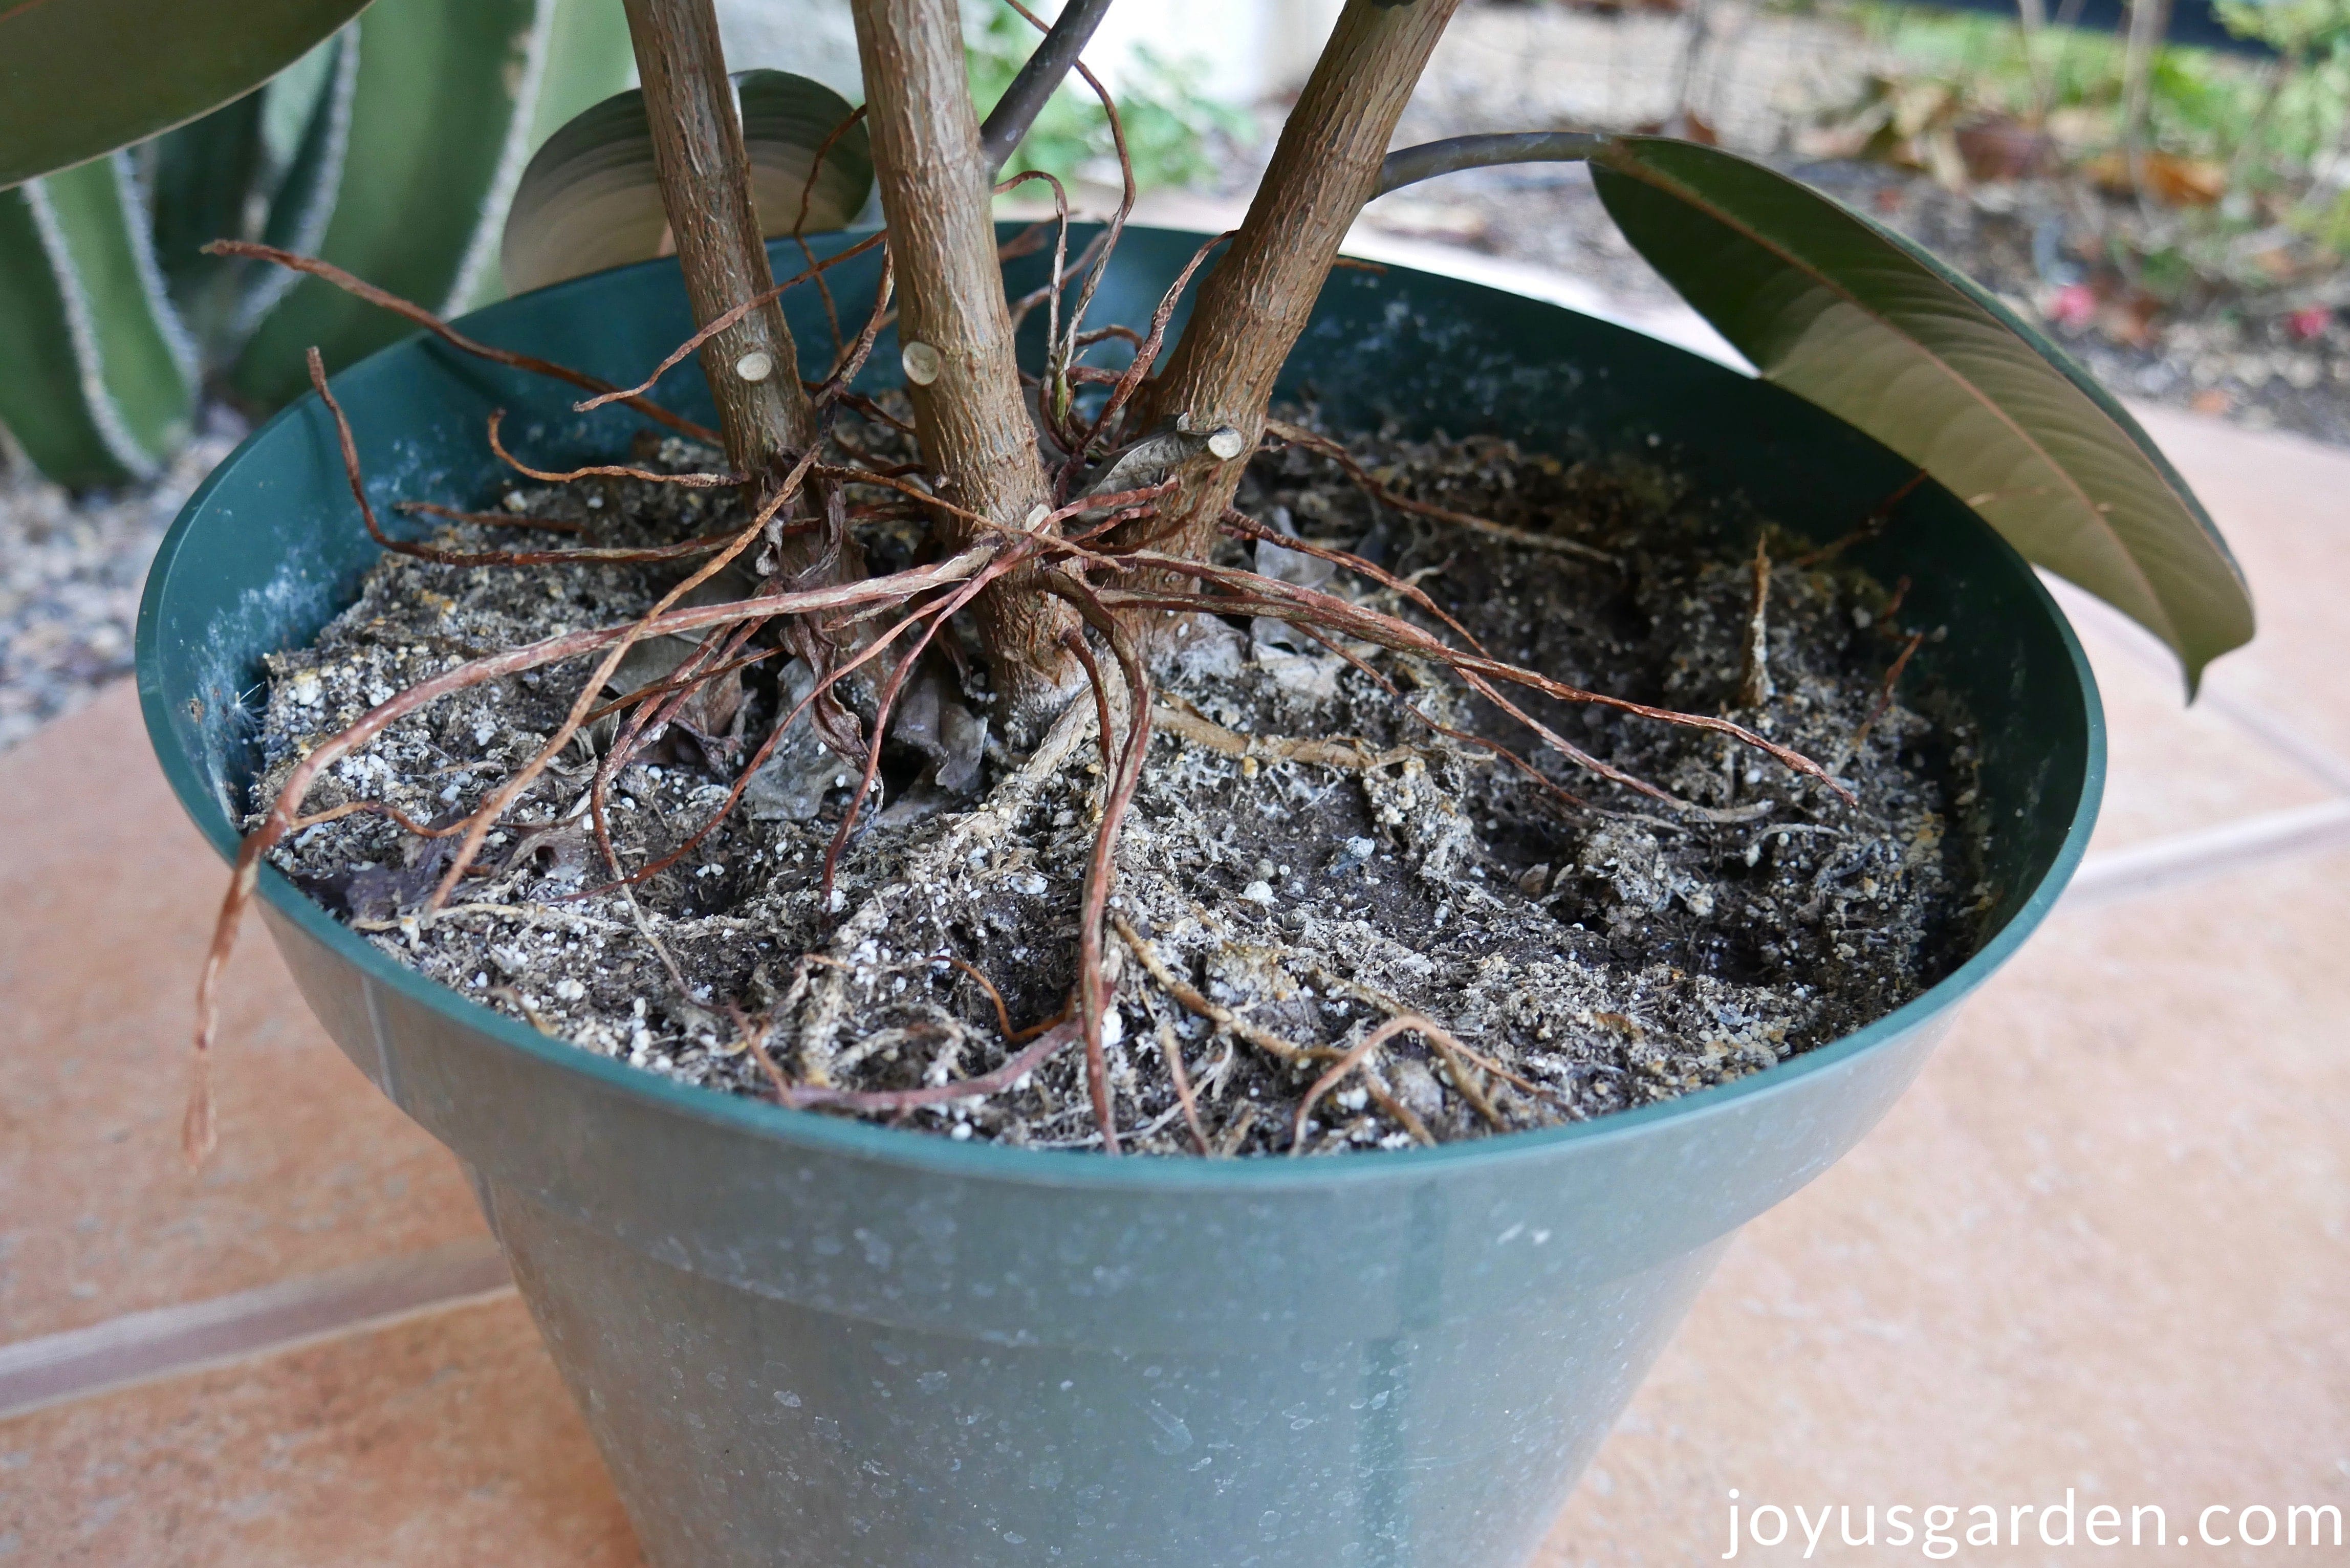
[[1304, 862]]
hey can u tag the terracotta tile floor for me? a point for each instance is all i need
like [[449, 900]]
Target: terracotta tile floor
[[105, 891], [2102, 1245], [441, 1441]]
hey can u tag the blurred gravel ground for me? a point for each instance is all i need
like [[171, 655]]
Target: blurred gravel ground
[[70, 571]]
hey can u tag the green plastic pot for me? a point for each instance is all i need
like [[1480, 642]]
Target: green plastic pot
[[809, 1341]]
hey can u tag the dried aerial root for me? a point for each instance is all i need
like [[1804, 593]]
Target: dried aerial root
[[1242, 526], [1251, 594], [634, 395], [593, 471], [1870, 527], [1170, 1051], [1222, 1017], [1298, 435], [685, 550], [1885, 697], [1348, 754], [1093, 988], [811, 1096], [1189, 997], [1354, 1058]]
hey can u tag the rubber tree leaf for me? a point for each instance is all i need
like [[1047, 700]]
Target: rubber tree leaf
[[100, 380], [79, 78], [1881, 333], [591, 198], [442, 102]]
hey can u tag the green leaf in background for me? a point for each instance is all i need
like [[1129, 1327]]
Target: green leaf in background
[[1171, 122], [82, 78], [591, 198], [445, 100], [1882, 334], [100, 380], [202, 176]]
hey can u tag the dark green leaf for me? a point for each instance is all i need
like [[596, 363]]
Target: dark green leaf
[[1881, 333], [81, 77]]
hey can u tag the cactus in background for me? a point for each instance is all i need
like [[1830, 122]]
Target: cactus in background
[[391, 150], [447, 100], [101, 379], [261, 168]]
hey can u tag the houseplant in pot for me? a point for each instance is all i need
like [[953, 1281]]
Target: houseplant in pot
[[802, 1333]]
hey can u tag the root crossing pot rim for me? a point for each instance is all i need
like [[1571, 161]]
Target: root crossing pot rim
[[1078, 1169]]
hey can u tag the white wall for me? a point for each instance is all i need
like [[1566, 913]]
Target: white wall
[[1249, 49], [812, 37]]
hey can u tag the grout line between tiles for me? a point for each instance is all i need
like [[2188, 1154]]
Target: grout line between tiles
[[2259, 722], [171, 1342], [2265, 726], [2211, 852]]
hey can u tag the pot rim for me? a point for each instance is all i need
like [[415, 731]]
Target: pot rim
[[1076, 1168]]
